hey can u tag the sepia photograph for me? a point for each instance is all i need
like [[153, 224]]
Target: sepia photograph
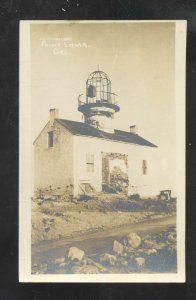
[[102, 151]]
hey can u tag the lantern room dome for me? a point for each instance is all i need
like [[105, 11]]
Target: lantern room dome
[[99, 75]]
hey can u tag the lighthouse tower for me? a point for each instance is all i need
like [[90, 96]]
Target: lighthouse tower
[[100, 104]]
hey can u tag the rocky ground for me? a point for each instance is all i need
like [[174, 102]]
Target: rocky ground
[[152, 253], [60, 219], [56, 218]]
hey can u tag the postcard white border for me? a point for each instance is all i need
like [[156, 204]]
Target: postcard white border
[[25, 165]]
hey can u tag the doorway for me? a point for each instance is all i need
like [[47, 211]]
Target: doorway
[[115, 172]]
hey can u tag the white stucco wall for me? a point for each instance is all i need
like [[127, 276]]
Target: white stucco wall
[[65, 163], [146, 185]]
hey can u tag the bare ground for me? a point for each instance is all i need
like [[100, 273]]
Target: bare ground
[[53, 219]]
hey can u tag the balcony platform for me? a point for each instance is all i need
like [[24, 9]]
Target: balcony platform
[[84, 108]]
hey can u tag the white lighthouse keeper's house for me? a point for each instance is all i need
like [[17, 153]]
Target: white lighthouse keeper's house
[[92, 156]]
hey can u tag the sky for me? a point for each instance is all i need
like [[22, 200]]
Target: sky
[[138, 57]]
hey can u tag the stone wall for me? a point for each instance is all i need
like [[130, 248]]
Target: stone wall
[[53, 167]]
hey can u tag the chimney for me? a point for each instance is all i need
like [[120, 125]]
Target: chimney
[[133, 129], [54, 114]]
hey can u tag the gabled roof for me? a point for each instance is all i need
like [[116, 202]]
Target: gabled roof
[[79, 128]]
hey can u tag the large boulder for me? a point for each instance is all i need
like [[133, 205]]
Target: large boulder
[[108, 258], [134, 240], [118, 247], [75, 254]]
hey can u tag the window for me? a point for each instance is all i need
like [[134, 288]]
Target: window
[[144, 167], [50, 139], [90, 163]]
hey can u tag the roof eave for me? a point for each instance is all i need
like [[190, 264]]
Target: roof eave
[[148, 144], [118, 141]]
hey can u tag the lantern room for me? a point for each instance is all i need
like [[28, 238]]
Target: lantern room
[[100, 103]]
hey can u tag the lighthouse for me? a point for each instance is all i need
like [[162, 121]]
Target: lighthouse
[[93, 156], [100, 103]]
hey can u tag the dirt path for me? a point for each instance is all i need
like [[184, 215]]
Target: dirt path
[[97, 242]]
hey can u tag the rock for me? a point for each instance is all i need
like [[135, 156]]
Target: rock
[[151, 251], [39, 200], [159, 246], [108, 258], [59, 260], [46, 197], [149, 243], [124, 263], [75, 254], [172, 248], [171, 238], [124, 254], [134, 240], [99, 266], [88, 269], [118, 247], [140, 261], [43, 268], [62, 265]]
